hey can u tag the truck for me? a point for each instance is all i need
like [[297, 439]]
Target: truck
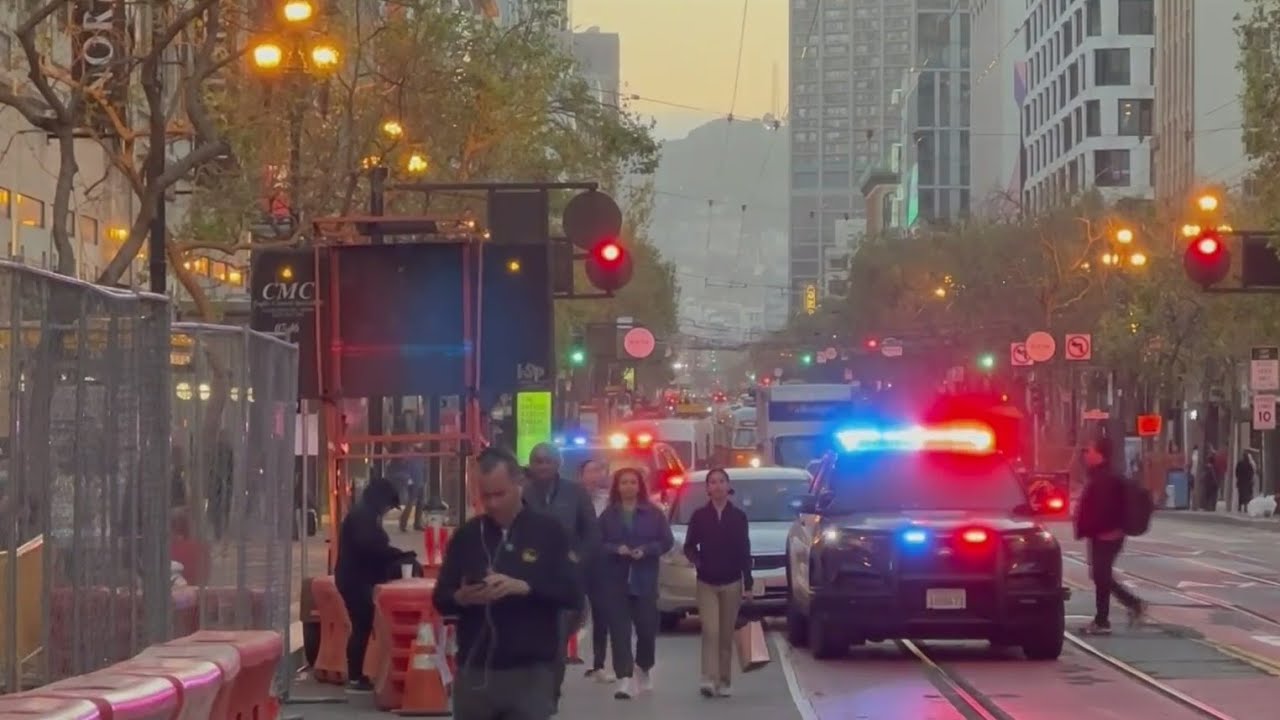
[[793, 422]]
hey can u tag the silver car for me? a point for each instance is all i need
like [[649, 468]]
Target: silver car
[[770, 497]]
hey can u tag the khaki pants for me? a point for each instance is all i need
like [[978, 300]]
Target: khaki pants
[[718, 610]]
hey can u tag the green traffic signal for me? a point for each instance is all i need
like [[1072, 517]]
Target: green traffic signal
[[806, 359], [578, 356], [987, 361]]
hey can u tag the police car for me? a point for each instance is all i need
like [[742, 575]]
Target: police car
[[922, 533], [663, 470]]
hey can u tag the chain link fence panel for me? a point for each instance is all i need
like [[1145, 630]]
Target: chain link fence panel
[[84, 423], [233, 521]]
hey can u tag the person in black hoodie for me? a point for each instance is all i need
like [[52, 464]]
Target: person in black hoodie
[[1100, 522], [718, 545], [366, 559], [508, 576]]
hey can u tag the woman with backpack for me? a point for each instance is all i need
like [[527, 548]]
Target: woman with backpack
[[1101, 520]]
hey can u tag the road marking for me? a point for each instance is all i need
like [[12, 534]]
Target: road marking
[[970, 701], [803, 705], [1185, 584], [1268, 639], [1258, 662], [1146, 679]]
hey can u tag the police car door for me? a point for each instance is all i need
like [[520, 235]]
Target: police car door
[[804, 530]]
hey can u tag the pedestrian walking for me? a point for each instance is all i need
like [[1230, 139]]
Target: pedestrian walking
[[594, 475], [1100, 520], [1244, 481], [1209, 480], [508, 575], [569, 503], [366, 559], [718, 545], [634, 534]]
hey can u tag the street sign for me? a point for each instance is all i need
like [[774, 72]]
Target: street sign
[[1041, 346], [1095, 414], [1018, 356], [1264, 412], [891, 347], [777, 372], [1078, 346], [1264, 369], [639, 343], [1149, 425]]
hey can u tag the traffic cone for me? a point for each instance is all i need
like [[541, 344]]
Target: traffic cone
[[429, 547], [451, 647], [426, 682], [571, 655]]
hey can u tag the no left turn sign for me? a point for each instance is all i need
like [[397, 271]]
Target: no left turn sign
[[1079, 346], [1018, 356]]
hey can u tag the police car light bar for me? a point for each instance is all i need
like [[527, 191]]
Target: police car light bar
[[965, 438], [578, 440]]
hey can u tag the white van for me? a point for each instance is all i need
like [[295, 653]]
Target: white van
[[691, 439]]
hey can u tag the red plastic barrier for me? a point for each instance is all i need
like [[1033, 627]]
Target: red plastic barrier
[[401, 608], [260, 651], [335, 630], [28, 707], [119, 696], [222, 608], [99, 608], [198, 681], [186, 610], [225, 657]]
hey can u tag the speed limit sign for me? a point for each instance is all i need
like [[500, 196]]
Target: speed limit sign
[[1264, 412]]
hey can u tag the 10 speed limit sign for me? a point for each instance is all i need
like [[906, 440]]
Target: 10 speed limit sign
[[1264, 412]]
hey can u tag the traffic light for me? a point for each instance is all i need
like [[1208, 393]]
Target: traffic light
[[1207, 259], [577, 357], [872, 343], [806, 359], [609, 265], [987, 361]]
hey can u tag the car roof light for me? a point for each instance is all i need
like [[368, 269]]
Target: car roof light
[[958, 437], [1056, 503], [975, 536], [914, 537], [579, 441], [644, 439], [675, 480], [618, 441]]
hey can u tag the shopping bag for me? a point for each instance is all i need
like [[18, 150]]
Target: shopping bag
[[753, 652]]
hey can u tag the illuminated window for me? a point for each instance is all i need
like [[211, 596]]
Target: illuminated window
[[88, 230], [219, 271], [30, 211], [202, 266], [6, 210], [235, 278]]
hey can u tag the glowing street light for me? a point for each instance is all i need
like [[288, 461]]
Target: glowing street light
[[268, 55], [324, 57], [1138, 259], [940, 292], [1207, 202], [1190, 230], [298, 11], [417, 163], [392, 129], [1124, 236]]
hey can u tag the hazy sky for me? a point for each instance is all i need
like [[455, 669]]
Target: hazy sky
[[684, 52]]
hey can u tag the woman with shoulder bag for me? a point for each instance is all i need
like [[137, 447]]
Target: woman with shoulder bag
[[635, 534]]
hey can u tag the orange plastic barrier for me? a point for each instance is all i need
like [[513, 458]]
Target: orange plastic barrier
[[198, 681], [401, 608], [434, 542], [222, 607], [100, 608], [335, 630], [28, 707], [225, 657], [260, 652], [119, 696], [426, 683], [186, 610]]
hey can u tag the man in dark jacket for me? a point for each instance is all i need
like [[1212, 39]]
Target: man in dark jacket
[[1244, 482], [1100, 522], [366, 559], [570, 503], [508, 576]]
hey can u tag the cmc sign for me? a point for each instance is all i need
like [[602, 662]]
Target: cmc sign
[[811, 299]]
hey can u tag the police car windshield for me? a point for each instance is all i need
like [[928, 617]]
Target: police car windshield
[[797, 451], [895, 482], [763, 500]]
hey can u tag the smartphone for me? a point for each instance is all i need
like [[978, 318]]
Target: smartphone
[[474, 578]]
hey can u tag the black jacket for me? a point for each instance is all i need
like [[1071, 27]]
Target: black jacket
[[515, 631], [719, 545], [366, 557], [1101, 508], [570, 503]]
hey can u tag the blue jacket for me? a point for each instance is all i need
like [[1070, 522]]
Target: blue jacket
[[649, 532]]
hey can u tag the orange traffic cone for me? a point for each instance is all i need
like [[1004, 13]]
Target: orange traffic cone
[[426, 682], [571, 655], [451, 647]]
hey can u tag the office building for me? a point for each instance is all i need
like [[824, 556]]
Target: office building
[[999, 87], [1197, 109], [847, 62], [510, 12], [1088, 117], [599, 59]]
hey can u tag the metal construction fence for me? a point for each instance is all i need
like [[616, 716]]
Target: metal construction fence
[[233, 513], [84, 423]]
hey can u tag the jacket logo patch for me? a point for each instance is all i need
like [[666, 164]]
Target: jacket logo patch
[[529, 555], [573, 557]]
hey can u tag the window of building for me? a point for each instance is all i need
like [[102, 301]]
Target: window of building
[[804, 180], [1134, 117], [1137, 17], [966, 37], [1093, 118], [88, 230], [964, 158], [1111, 168], [6, 204], [1093, 17], [1111, 66], [29, 211], [933, 33], [964, 100]]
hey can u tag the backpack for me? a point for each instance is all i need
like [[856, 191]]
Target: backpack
[[1138, 508]]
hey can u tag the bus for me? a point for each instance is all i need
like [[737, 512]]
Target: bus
[[793, 422]]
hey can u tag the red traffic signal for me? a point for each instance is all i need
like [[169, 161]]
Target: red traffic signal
[[872, 343], [1149, 425], [1207, 259], [609, 266]]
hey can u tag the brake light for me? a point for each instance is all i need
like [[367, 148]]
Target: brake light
[[975, 536], [617, 441], [644, 440], [1055, 503], [675, 480]]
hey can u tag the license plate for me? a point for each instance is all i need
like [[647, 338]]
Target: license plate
[[944, 599]]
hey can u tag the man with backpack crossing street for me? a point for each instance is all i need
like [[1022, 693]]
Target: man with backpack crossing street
[[1110, 508]]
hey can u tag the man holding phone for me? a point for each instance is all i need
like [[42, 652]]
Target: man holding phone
[[508, 576]]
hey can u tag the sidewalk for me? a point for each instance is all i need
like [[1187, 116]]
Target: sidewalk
[[1221, 517]]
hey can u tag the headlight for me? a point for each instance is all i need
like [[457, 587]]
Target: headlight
[[754, 462], [1038, 539], [830, 536]]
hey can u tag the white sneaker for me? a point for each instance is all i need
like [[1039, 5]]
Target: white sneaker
[[724, 691], [626, 689], [645, 681]]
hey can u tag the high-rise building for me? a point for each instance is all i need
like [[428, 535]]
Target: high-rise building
[[511, 12], [847, 62], [999, 87], [599, 59], [1197, 109], [1088, 117]]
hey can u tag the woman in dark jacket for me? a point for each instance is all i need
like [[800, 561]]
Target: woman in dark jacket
[[635, 535]]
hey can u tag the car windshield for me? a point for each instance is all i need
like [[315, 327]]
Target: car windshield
[[763, 499], [895, 482], [797, 451], [683, 449], [744, 438], [573, 458]]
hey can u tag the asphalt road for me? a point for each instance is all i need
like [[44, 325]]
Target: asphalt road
[[1211, 649]]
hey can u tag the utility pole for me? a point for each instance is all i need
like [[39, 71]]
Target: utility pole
[[156, 264], [377, 208]]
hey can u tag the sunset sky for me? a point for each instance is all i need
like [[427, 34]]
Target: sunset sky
[[684, 52]]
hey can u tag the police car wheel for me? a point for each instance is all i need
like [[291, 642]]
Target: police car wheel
[[1045, 642], [825, 642], [797, 626], [668, 622]]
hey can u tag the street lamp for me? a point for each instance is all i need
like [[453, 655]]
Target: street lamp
[[1138, 259], [1124, 236], [1207, 202], [297, 11], [940, 292], [417, 163], [1190, 230], [393, 129]]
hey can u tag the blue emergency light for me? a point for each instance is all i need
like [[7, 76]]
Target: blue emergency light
[[915, 537], [954, 437], [577, 440]]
